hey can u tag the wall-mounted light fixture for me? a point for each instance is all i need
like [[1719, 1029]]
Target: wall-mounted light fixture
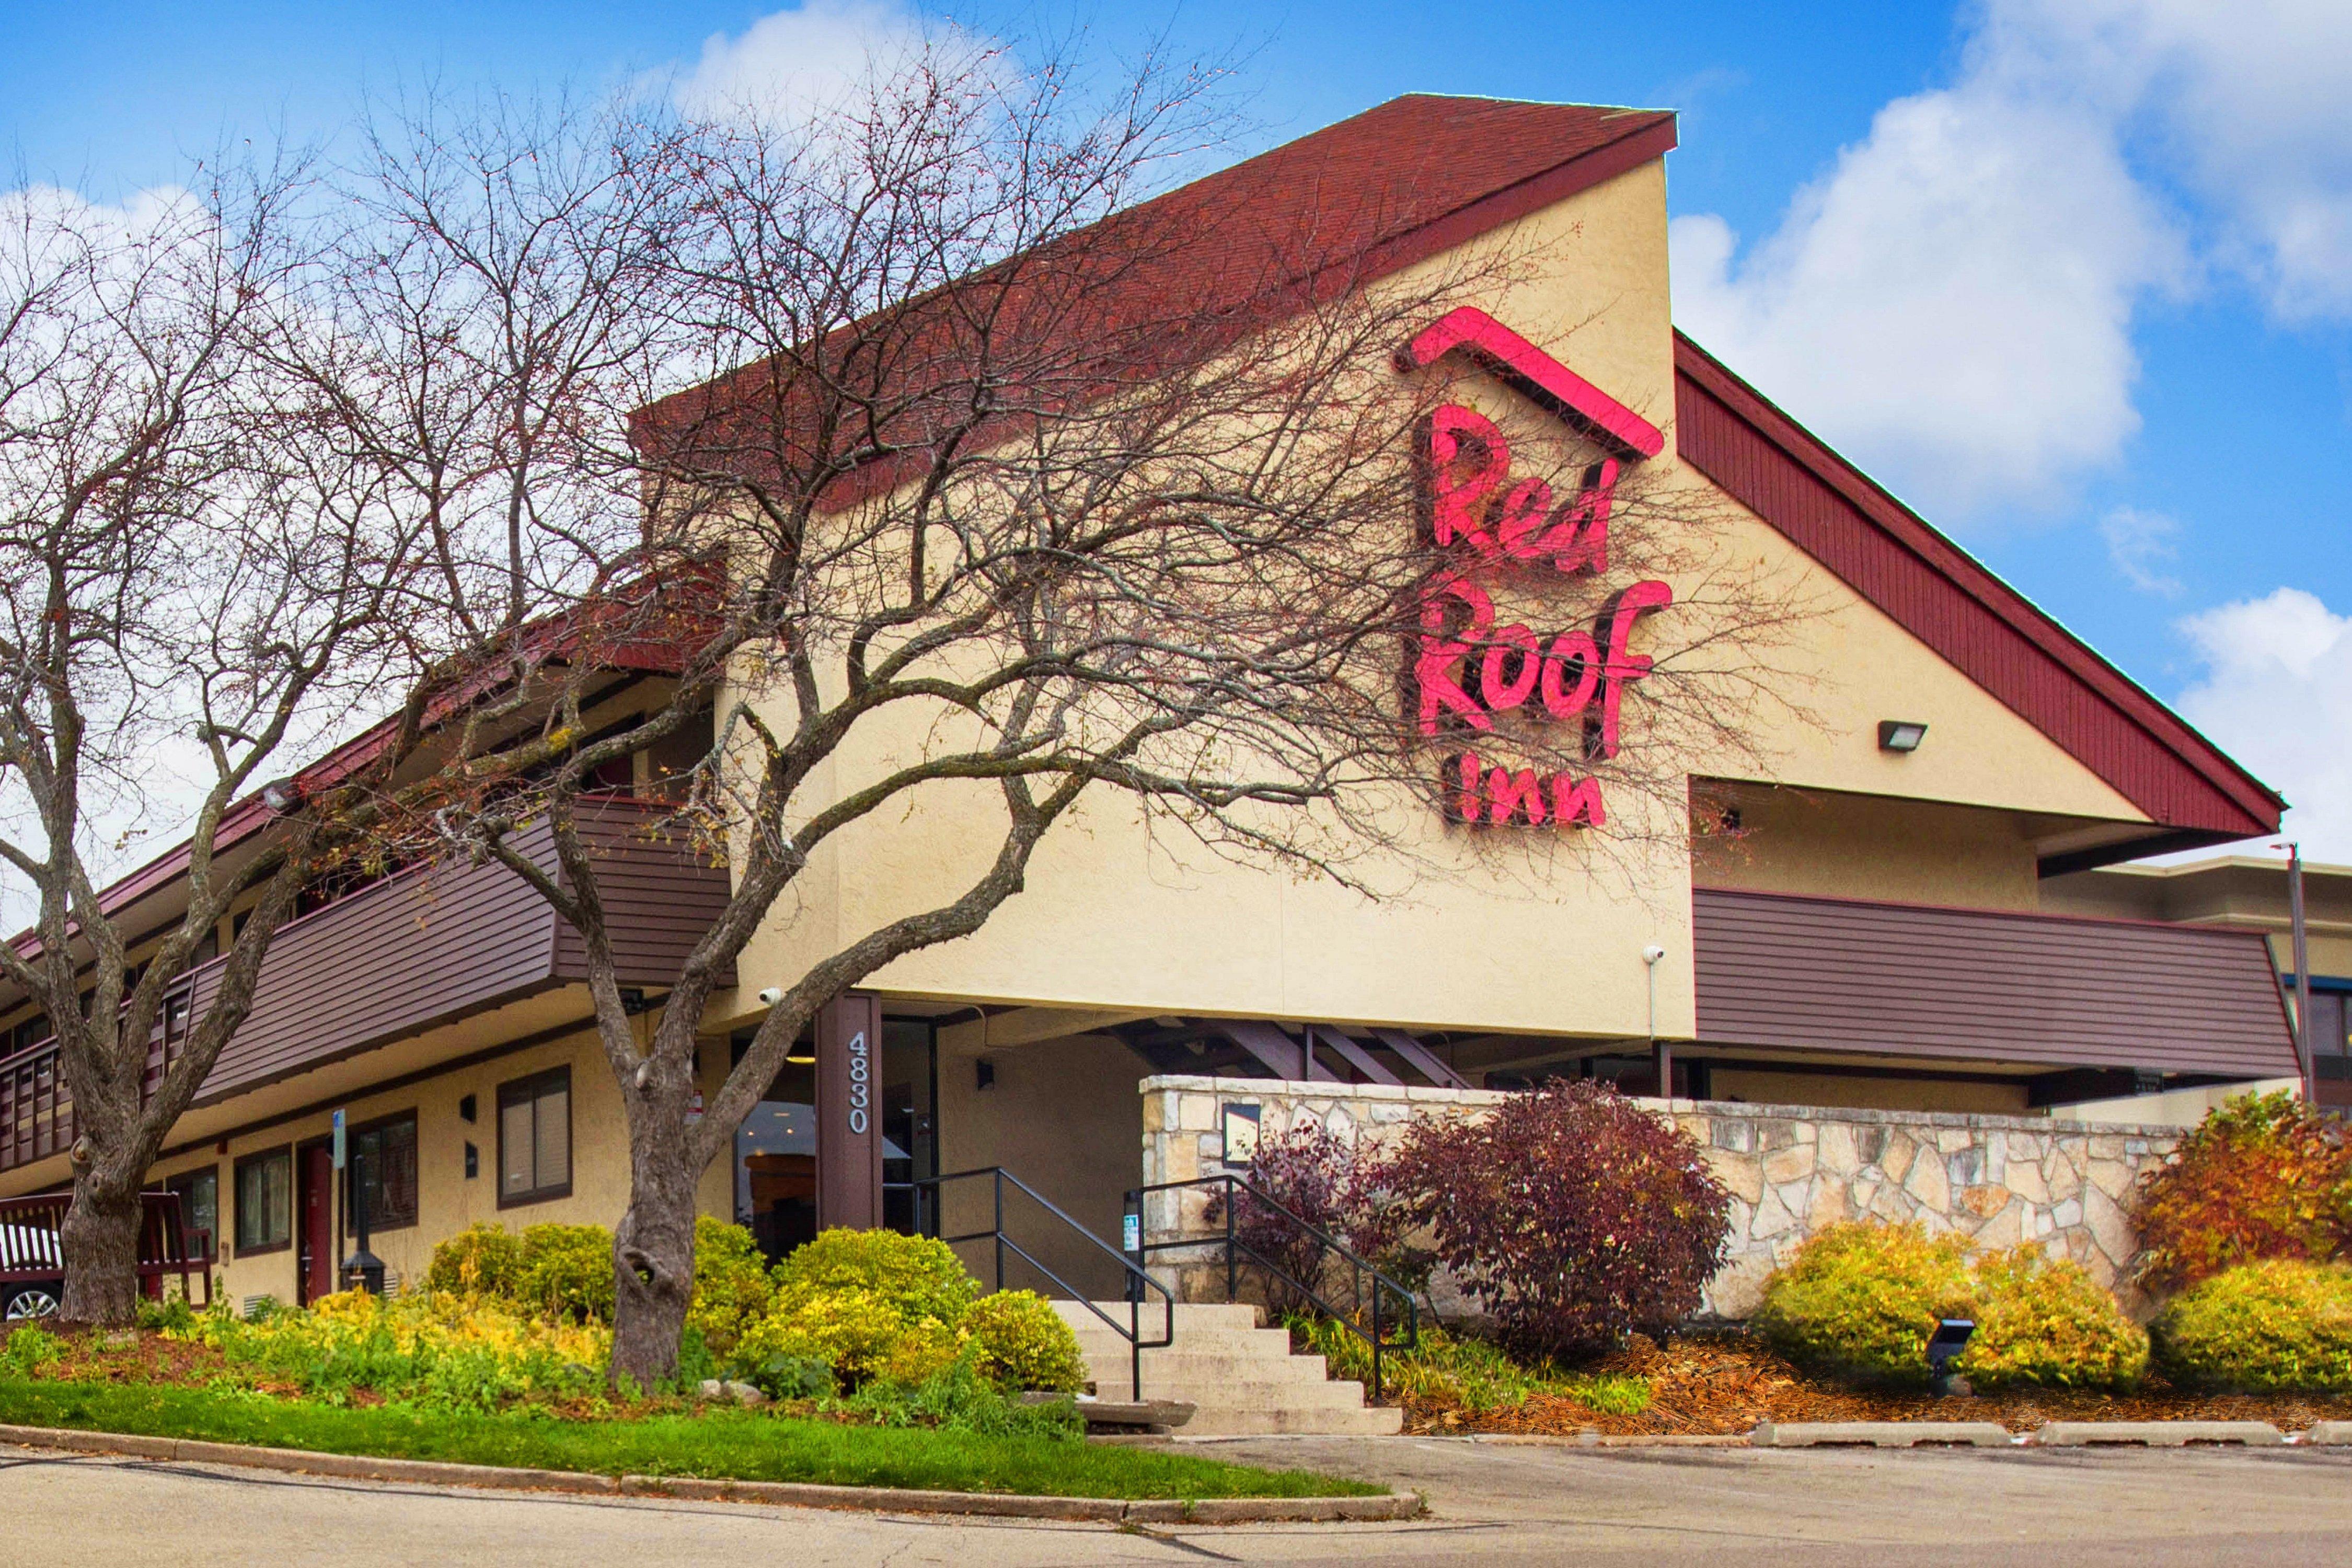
[[1900, 735]]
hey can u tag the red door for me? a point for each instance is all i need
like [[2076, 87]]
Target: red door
[[317, 1238]]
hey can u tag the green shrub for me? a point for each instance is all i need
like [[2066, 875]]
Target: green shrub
[[2046, 1321], [868, 1303], [861, 1334], [731, 1287], [482, 1259], [2278, 1326], [2262, 1176], [1023, 1342], [791, 1378], [31, 1348], [567, 1271], [958, 1397], [919, 1278], [1859, 1301]]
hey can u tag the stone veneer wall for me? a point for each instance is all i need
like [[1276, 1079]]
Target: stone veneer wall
[[1792, 1170]]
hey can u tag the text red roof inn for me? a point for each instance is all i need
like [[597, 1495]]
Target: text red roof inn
[[1422, 173]]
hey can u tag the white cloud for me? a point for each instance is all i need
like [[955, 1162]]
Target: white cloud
[[2277, 696], [2244, 104], [1953, 300], [2139, 544], [793, 62]]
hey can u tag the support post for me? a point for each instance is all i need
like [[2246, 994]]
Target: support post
[[849, 1113], [2302, 1056]]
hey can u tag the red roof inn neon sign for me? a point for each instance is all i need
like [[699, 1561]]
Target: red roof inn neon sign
[[1465, 668]]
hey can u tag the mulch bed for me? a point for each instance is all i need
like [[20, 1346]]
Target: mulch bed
[[1716, 1384]]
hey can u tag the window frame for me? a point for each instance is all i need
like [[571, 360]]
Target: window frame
[[178, 1182], [237, 1190], [532, 1089], [351, 1136]]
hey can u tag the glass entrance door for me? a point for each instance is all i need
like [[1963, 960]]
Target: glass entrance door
[[775, 1147], [910, 1141]]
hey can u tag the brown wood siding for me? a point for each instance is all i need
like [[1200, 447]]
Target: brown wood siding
[[1941, 596], [660, 896], [417, 951], [1775, 970], [425, 949]]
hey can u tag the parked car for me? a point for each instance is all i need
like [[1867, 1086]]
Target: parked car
[[33, 1250]]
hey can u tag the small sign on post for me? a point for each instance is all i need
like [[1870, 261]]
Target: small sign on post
[[338, 1139]]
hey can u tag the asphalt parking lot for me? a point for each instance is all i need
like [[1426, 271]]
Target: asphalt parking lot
[[1491, 1503]]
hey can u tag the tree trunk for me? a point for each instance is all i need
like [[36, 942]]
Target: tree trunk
[[653, 1261], [100, 1233]]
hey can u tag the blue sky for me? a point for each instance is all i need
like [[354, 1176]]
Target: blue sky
[[2073, 276]]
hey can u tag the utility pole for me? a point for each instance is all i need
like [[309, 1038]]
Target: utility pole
[[2302, 972]]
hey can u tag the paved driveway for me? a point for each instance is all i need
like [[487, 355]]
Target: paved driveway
[[1494, 1504]]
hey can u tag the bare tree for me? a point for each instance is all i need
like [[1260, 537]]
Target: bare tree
[[191, 575], [993, 491]]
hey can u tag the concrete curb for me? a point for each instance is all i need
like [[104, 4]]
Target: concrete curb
[[2327, 1433], [2154, 1434], [797, 1494], [1880, 1435]]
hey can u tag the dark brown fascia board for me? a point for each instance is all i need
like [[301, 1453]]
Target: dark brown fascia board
[[2261, 804], [2129, 850], [1924, 906], [1653, 135]]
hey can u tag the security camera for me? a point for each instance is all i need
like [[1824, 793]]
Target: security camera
[[772, 995], [1651, 953]]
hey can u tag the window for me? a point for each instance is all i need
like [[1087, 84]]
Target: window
[[265, 1201], [199, 1193], [535, 1137], [386, 1152]]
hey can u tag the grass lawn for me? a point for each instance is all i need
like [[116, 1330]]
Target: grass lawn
[[738, 1444]]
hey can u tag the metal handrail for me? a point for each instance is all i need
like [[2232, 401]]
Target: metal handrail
[[1360, 1267], [1138, 1282]]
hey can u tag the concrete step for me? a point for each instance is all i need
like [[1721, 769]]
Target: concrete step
[[1154, 1313], [1378, 1421], [1242, 1379], [1264, 1344], [1201, 1362], [1224, 1388]]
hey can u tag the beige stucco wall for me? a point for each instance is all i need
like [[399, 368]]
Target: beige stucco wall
[[1839, 845], [1518, 932], [1064, 1116], [447, 1201], [1766, 1085]]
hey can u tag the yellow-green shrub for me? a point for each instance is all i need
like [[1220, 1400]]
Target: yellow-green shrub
[[442, 1349], [2046, 1321], [567, 1271], [860, 1333], [482, 1259], [1859, 1301], [920, 1277], [731, 1287], [2272, 1327], [1025, 1343]]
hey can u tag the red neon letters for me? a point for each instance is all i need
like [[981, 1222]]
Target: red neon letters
[[1467, 669]]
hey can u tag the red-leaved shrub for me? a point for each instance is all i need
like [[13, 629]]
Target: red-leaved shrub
[[2260, 1177], [1571, 1215], [1311, 1173]]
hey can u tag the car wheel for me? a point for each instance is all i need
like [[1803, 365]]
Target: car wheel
[[31, 1302]]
